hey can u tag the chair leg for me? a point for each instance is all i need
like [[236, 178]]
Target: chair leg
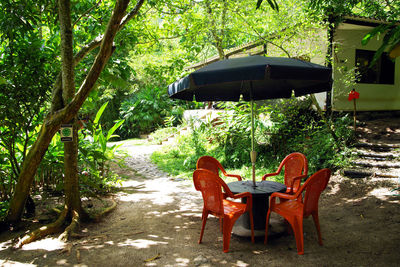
[[203, 225], [227, 232], [266, 227], [316, 222], [297, 225]]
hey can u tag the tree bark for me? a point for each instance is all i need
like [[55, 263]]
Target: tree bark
[[28, 170], [53, 120], [71, 180], [57, 101]]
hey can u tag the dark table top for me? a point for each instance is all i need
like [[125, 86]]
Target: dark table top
[[263, 187]]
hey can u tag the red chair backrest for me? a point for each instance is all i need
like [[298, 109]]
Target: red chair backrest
[[209, 163], [210, 185], [314, 187], [295, 164]]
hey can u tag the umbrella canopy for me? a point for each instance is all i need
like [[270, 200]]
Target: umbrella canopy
[[253, 77]]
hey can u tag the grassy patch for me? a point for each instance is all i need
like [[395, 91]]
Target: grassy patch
[[171, 161]]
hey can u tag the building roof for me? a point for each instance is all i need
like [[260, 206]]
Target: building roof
[[229, 53], [364, 21]]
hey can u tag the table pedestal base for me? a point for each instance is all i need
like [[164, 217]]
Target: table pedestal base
[[276, 228]]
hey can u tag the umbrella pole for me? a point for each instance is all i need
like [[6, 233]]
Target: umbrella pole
[[253, 154]]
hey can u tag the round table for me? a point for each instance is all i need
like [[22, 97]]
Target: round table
[[260, 194]]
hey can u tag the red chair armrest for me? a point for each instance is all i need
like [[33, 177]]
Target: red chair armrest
[[283, 195], [249, 199], [294, 180], [235, 175], [269, 174], [242, 195], [279, 195]]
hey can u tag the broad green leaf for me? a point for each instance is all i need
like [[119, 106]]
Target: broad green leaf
[[99, 113], [115, 127], [103, 142]]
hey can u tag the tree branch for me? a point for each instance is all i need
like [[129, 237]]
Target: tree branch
[[102, 57], [132, 13], [67, 56], [57, 102], [86, 12]]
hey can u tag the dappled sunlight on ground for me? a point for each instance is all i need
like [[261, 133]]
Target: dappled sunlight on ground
[[160, 191], [381, 193], [4, 245], [141, 243], [241, 264], [182, 262], [9, 263], [48, 244]]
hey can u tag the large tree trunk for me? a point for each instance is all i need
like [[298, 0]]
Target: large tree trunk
[[28, 170], [71, 182], [66, 114]]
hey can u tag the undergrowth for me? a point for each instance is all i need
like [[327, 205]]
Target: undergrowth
[[282, 127]]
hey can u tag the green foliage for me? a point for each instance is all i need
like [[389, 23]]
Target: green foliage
[[94, 160], [3, 209], [27, 68], [161, 134], [233, 132], [379, 9], [178, 160], [175, 34], [272, 4], [96, 156], [295, 126], [282, 127], [146, 111], [49, 176]]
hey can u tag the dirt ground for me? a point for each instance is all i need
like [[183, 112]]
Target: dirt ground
[[158, 218]]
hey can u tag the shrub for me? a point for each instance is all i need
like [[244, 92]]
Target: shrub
[[282, 127], [146, 111], [94, 158]]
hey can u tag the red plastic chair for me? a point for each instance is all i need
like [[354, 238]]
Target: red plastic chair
[[212, 164], [296, 169], [210, 185], [296, 208]]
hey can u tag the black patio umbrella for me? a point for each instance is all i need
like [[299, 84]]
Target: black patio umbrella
[[252, 78]]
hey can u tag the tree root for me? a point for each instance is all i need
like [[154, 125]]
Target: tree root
[[52, 228], [106, 211], [57, 226], [70, 228]]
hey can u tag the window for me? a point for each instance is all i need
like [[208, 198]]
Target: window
[[381, 73]]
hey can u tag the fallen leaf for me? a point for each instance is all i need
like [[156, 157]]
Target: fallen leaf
[[153, 258]]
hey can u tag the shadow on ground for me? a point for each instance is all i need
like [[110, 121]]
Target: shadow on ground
[[157, 223]]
